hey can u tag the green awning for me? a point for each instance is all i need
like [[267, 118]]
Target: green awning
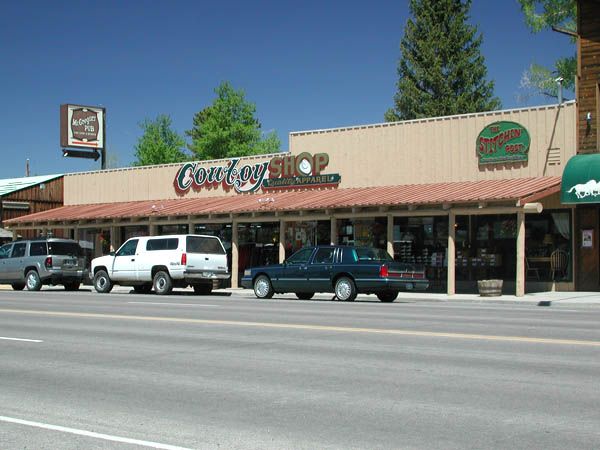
[[581, 180]]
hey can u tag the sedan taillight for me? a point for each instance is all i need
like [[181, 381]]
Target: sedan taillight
[[383, 271]]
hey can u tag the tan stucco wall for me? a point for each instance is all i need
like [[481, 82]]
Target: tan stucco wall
[[440, 149], [421, 151]]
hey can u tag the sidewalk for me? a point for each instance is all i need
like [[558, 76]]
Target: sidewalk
[[538, 298]]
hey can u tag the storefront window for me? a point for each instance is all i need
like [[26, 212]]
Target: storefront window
[[363, 232], [305, 234], [423, 240], [548, 246], [258, 244], [486, 247], [181, 228], [133, 231]]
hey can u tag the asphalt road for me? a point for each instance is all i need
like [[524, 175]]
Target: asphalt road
[[224, 371]]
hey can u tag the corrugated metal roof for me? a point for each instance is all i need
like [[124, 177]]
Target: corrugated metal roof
[[11, 185], [416, 194]]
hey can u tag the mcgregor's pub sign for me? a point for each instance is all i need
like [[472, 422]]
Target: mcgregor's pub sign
[[502, 142], [81, 126], [280, 173]]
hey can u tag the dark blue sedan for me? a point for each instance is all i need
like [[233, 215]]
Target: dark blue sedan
[[345, 271]]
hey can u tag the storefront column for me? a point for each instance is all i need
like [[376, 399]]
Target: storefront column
[[115, 238], [281, 241], [234, 254], [152, 229], [451, 257], [390, 235], [520, 291], [334, 231], [191, 228]]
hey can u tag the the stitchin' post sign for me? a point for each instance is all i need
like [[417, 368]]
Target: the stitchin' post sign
[[280, 173], [503, 142]]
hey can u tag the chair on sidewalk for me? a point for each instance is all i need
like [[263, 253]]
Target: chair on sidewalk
[[533, 270], [558, 263]]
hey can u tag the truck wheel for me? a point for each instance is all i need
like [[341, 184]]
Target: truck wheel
[[263, 287], [18, 286], [387, 296], [202, 289], [32, 281], [162, 283], [74, 286], [345, 289], [305, 295], [102, 282], [143, 288]]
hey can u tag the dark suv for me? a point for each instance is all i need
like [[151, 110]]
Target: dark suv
[[42, 261]]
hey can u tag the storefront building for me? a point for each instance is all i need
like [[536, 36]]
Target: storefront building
[[471, 197]]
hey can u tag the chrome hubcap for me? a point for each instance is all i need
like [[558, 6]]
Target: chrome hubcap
[[31, 281], [261, 287], [343, 290], [101, 282], [160, 284]]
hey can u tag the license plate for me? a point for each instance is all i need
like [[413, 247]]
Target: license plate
[[207, 274], [410, 286]]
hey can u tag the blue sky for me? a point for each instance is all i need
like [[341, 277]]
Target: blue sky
[[306, 65]]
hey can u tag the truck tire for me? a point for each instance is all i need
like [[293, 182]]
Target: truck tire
[[74, 286], [163, 285], [18, 286], [102, 282], [202, 289]]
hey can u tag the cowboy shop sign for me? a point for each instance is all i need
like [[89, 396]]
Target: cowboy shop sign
[[503, 142], [279, 173]]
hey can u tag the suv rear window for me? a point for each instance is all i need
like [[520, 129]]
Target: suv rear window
[[64, 248], [198, 244], [38, 249], [162, 244]]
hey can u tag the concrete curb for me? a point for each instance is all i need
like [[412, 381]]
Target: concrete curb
[[538, 298]]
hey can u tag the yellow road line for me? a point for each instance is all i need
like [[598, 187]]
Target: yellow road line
[[310, 327]]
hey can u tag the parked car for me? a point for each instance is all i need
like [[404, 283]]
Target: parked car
[[36, 262], [343, 270], [162, 263]]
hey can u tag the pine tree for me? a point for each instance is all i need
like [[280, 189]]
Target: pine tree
[[441, 69]]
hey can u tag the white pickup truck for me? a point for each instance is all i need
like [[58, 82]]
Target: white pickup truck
[[162, 263]]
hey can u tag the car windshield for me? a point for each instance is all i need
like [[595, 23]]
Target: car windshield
[[64, 248], [372, 254]]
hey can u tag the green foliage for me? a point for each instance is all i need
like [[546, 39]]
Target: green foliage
[[228, 128], [541, 15], [159, 144], [441, 69], [553, 13]]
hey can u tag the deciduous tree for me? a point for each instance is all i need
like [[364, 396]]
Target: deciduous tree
[[159, 144], [228, 128]]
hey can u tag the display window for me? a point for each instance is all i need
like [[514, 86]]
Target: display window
[[258, 244], [363, 232], [180, 228], [306, 234], [423, 240], [548, 238]]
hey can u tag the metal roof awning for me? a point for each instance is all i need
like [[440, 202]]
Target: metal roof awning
[[581, 180], [516, 192]]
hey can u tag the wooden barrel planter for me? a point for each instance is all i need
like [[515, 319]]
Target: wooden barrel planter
[[489, 288]]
